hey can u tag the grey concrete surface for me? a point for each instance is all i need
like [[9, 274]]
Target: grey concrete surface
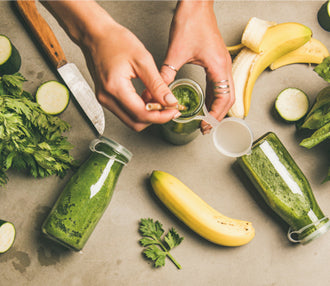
[[112, 256]]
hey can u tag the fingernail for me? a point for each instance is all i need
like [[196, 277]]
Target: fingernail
[[208, 131], [170, 99], [177, 115]]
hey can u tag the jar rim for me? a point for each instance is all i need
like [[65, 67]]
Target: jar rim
[[120, 149], [193, 84]]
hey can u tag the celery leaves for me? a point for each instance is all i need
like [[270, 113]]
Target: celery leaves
[[158, 248], [29, 138]]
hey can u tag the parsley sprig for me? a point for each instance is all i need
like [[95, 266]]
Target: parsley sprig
[[157, 248], [30, 139]]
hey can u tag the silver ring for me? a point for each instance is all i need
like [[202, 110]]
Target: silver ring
[[221, 81], [171, 67], [222, 87], [222, 92]]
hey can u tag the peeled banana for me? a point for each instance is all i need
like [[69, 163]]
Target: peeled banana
[[197, 214], [272, 41], [313, 52]]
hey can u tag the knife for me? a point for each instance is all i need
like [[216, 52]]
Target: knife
[[69, 72]]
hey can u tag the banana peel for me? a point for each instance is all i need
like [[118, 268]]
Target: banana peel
[[271, 43], [313, 52]]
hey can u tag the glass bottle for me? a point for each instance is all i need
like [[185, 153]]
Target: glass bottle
[[185, 128], [284, 188], [87, 195]]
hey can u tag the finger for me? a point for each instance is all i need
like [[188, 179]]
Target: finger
[[130, 107], [158, 89], [220, 93]]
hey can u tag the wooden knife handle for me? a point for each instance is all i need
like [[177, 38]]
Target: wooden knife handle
[[42, 31]]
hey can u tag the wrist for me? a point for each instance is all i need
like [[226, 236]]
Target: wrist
[[82, 21], [196, 4]]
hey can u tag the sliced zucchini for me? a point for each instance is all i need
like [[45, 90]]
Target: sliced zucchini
[[10, 59], [53, 97], [292, 104], [323, 16], [7, 235]]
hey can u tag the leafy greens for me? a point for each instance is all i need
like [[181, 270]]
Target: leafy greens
[[157, 249], [30, 139]]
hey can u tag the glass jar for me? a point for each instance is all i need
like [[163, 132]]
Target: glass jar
[[284, 188], [87, 195], [185, 128]]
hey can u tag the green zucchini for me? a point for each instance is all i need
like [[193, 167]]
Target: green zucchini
[[53, 97], [10, 59], [7, 235], [323, 16], [292, 104]]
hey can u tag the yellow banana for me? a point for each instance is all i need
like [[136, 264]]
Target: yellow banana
[[234, 50], [313, 52], [277, 41], [197, 214], [272, 43]]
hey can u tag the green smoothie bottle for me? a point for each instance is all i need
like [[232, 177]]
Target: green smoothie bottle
[[284, 188], [87, 195], [185, 128]]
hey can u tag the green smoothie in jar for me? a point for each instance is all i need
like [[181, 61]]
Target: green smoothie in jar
[[87, 195], [185, 128], [284, 188]]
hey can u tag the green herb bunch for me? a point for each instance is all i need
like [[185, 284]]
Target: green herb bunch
[[30, 139], [157, 248]]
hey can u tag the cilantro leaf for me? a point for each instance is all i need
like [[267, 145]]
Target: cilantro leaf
[[157, 249], [172, 238]]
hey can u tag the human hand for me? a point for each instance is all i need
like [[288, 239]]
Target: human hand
[[196, 39], [115, 56], [116, 59]]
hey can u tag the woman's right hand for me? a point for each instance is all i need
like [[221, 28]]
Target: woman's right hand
[[115, 56]]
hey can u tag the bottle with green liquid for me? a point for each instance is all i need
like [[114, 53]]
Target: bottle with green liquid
[[284, 188], [87, 195]]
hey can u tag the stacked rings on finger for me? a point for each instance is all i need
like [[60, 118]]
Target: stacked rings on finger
[[222, 87]]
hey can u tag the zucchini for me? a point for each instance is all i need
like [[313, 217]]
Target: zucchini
[[7, 235], [323, 16], [53, 97], [292, 104], [10, 59]]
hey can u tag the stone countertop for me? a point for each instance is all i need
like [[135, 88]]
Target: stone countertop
[[112, 255]]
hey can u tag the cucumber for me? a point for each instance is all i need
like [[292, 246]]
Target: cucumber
[[292, 104], [7, 235], [10, 59], [53, 97], [323, 16]]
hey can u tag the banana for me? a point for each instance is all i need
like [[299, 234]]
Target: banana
[[234, 50], [197, 214], [254, 32], [313, 52], [241, 69], [278, 40]]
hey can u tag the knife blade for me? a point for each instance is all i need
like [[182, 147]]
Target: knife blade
[[69, 72]]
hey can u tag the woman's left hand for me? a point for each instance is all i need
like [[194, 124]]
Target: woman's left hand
[[196, 39]]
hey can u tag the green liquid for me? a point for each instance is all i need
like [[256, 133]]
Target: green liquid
[[187, 97], [282, 184], [84, 200], [181, 131]]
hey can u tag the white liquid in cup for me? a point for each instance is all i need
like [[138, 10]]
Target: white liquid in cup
[[233, 137]]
